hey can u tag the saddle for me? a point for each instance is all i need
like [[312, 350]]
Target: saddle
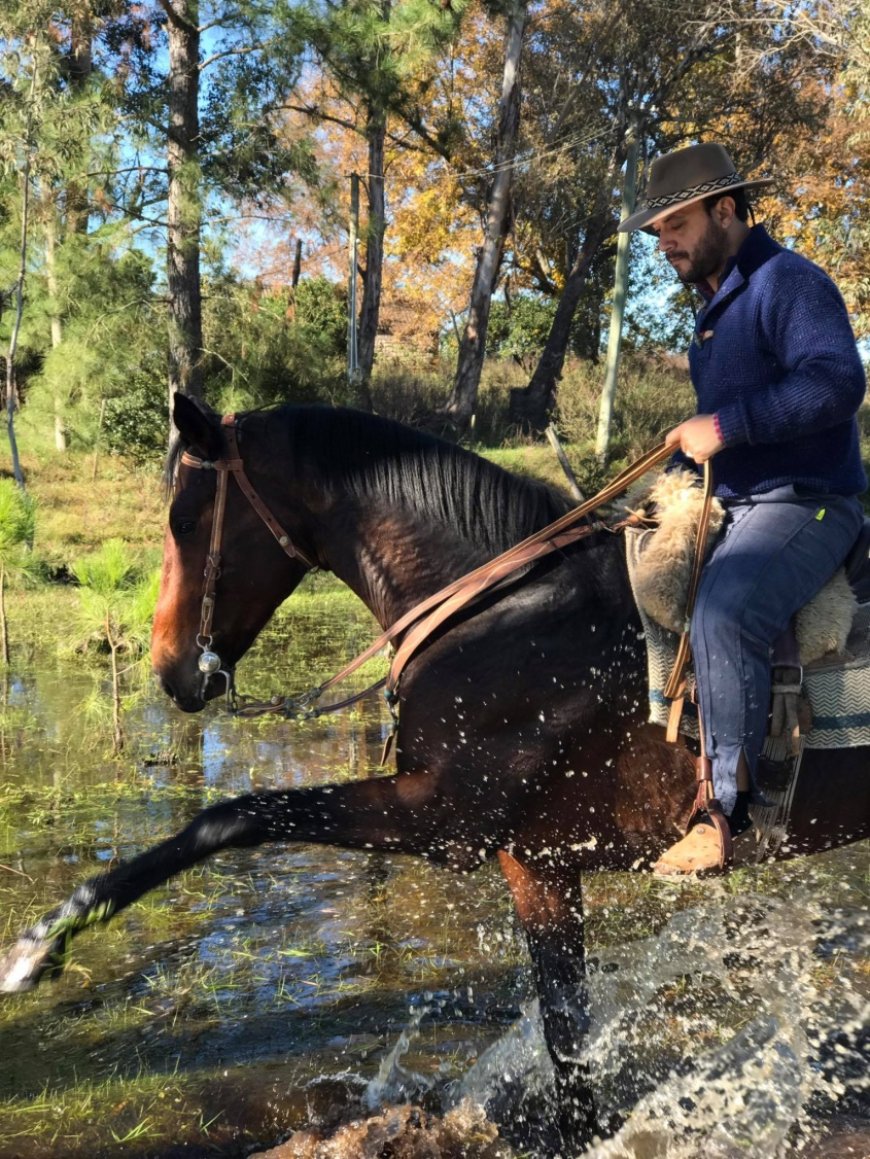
[[820, 696], [814, 661]]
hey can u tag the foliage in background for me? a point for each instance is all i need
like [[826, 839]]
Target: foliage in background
[[282, 345], [786, 87], [108, 372]]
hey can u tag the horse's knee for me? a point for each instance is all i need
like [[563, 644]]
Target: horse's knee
[[230, 823]]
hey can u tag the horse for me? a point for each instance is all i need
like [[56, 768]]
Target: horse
[[522, 719]]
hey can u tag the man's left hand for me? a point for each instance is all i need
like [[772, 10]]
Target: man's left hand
[[698, 438]]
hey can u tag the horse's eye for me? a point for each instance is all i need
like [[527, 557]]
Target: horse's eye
[[185, 526]]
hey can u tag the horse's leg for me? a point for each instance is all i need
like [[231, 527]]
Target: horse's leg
[[550, 907], [405, 813]]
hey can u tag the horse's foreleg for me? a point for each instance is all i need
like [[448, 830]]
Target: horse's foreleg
[[399, 814], [550, 908]]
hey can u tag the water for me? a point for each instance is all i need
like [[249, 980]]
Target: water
[[739, 1029], [292, 987]]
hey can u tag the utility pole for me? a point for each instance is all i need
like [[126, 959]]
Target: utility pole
[[620, 291], [353, 373]]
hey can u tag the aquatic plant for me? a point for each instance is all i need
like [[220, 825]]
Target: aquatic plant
[[116, 605]]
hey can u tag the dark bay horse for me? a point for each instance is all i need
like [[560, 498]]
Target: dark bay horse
[[522, 729]]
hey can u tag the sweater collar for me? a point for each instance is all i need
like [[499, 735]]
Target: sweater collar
[[758, 247]]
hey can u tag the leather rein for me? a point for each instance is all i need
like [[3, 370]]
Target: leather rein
[[420, 622]]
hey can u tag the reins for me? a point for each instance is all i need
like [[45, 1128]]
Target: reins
[[425, 617]]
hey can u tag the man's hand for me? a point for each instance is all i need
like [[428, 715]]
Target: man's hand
[[698, 438]]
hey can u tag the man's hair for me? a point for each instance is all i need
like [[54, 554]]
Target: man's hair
[[742, 208]]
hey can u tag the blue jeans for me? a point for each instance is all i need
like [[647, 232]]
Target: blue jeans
[[775, 553]]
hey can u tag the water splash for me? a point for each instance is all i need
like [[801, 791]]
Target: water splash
[[730, 1033], [394, 1083]]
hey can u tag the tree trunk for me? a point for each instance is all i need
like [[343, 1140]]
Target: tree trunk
[[55, 320], [617, 311], [530, 406], [185, 202], [376, 131], [463, 399], [4, 627]]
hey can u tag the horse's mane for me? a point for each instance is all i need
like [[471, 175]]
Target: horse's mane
[[367, 455], [373, 456]]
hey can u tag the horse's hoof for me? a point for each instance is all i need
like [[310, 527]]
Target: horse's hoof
[[22, 966]]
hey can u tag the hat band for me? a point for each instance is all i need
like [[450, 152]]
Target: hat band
[[695, 191]]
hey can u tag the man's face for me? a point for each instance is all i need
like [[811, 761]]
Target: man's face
[[694, 242]]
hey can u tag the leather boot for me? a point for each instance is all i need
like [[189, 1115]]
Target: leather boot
[[701, 851]]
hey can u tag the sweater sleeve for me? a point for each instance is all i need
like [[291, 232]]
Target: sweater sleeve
[[802, 321]]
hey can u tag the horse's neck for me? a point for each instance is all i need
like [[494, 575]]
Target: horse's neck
[[392, 561]]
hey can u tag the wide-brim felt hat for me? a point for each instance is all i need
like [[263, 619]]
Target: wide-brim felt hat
[[683, 177]]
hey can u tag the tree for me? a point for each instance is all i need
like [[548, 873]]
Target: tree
[[184, 198], [460, 405], [672, 76], [116, 606], [379, 56]]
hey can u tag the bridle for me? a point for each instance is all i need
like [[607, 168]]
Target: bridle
[[209, 662]]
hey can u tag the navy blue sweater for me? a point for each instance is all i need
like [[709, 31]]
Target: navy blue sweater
[[774, 357]]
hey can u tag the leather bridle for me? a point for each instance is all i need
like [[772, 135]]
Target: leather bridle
[[209, 662]]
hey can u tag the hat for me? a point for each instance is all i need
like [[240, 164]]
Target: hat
[[683, 177]]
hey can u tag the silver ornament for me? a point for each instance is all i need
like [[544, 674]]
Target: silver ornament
[[209, 663]]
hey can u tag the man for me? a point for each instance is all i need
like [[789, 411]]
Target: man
[[778, 381]]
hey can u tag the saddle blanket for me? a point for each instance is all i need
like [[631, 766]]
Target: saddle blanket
[[837, 687]]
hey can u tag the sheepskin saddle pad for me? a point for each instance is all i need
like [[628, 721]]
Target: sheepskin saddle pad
[[833, 638], [663, 565]]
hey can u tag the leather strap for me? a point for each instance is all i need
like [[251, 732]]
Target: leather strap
[[707, 805], [450, 599], [233, 464]]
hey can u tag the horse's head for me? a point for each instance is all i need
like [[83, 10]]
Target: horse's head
[[224, 570]]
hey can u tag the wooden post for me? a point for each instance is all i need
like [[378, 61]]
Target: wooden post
[[620, 290], [353, 256]]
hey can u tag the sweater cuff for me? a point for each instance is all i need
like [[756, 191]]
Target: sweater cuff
[[730, 425]]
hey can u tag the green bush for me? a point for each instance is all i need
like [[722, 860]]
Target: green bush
[[269, 346]]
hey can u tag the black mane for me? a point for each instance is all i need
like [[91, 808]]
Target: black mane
[[368, 455]]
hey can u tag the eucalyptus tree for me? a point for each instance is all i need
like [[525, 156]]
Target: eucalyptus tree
[[472, 345]]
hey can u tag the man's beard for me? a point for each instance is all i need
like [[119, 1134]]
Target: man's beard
[[708, 258]]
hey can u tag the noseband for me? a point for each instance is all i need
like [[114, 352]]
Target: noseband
[[209, 662]]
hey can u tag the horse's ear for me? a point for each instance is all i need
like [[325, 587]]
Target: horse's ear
[[198, 425]]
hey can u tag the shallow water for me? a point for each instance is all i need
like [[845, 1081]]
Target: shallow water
[[288, 987]]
